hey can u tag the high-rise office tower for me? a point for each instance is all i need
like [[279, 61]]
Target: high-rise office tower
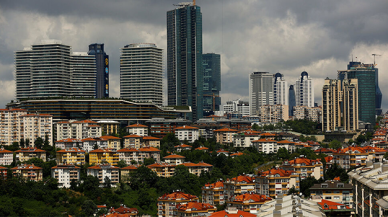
[[291, 99], [280, 90], [366, 75], [211, 82], [184, 58], [304, 90], [83, 75], [141, 73], [260, 91], [102, 65], [340, 105]]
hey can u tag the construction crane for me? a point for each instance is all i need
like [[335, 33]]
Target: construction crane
[[374, 58], [214, 99]]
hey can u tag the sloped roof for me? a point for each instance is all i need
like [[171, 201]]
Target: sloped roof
[[3, 168], [137, 126], [267, 134], [201, 148], [105, 166], [303, 160], [123, 210], [265, 140], [100, 150], [69, 140], [243, 178], [327, 205], [2, 150], [195, 206], [285, 142], [225, 130], [156, 165], [174, 156], [27, 167], [237, 154], [183, 146], [30, 149], [132, 136], [65, 166], [218, 184], [255, 198], [128, 150], [325, 150], [273, 171], [109, 137], [151, 138], [84, 122], [149, 149], [130, 167], [178, 195], [186, 128], [222, 151], [70, 150], [239, 213]]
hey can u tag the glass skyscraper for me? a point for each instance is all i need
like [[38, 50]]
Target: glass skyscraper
[[291, 99], [211, 82], [366, 75], [184, 58], [102, 65]]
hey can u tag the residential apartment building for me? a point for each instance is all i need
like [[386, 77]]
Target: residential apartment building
[[275, 182], [125, 173], [288, 145], [213, 193], [25, 154], [163, 169], [198, 168], [273, 113], [304, 90], [28, 172], [333, 191], [244, 139], [73, 156], [260, 91], [182, 147], [304, 167], [65, 174], [194, 208], [340, 105], [356, 156], [89, 144], [280, 90], [174, 159], [78, 129], [248, 202], [68, 143], [109, 127], [167, 203], [239, 185], [113, 142], [133, 141], [3, 172], [10, 125], [131, 154], [150, 141], [187, 133], [225, 135], [137, 129], [308, 113], [36, 126], [103, 156], [266, 145], [232, 211], [103, 171], [141, 73], [160, 127], [6, 157]]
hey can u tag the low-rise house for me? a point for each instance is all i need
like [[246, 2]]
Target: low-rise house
[[174, 159], [222, 151], [333, 191], [6, 156], [248, 202], [187, 133], [239, 185], [168, 202], [201, 148], [335, 208], [28, 172], [65, 174], [327, 151], [25, 154], [225, 136], [113, 142], [198, 168], [265, 145], [105, 171], [3, 172], [236, 154], [103, 156], [90, 144], [68, 143], [125, 173], [150, 141], [163, 169], [133, 141], [213, 193], [137, 129], [182, 147], [244, 139], [232, 212], [275, 182], [123, 210], [74, 156], [194, 208], [304, 167], [267, 135]]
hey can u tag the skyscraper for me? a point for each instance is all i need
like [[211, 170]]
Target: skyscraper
[[260, 91], [366, 75], [211, 81], [280, 90], [141, 73], [304, 90], [291, 99], [102, 65], [83, 75], [184, 58], [340, 105]]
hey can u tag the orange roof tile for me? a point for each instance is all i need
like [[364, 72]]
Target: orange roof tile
[[132, 136], [130, 167], [202, 164], [137, 126], [222, 151], [123, 210], [237, 154], [255, 198], [105, 166], [186, 128], [2, 150], [285, 142], [265, 140], [27, 167], [3, 168], [173, 156], [109, 137], [273, 171], [128, 150], [195, 206], [303, 160], [226, 214], [201, 148], [149, 149], [100, 150], [151, 138], [243, 178], [30, 149], [219, 184], [155, 165], [70, 150], [267, 134], [65, 166], [69, 140], [84, 122], [225, 130], [183, 146], [94, 126], [178, 195], [337, 178], [325, 150], [327, 204]]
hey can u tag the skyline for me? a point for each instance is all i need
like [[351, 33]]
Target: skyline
[[251, 36]]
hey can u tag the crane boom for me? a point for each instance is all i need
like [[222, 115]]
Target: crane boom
[[374, 58]]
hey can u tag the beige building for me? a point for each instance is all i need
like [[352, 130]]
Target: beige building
[[133, 141], [68, 143], [65, 174], [333, 191], [163, 169], [138, 155], [138, 129], [187, 133], [6, 157], [194, 208], [29, 172], [168, 202], [290, 146], [73, 156], [89, 144], [213, 193], [244, 139], [266, 145], [275, 182], [113, 142], [273, 113], [225, 136], [105, 171], [239, 185], [108, 127], [125, 173], [78, 129], [340, 105], [150, 141], [308, 113], [248, 202], [304, 167], [35, 126], [11, 126], [174, 159], [25, 154]]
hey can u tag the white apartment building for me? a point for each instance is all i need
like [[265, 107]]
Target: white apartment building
[[141, 73], [280, 90], [236, 107], [273, 113], [260, 91], [187, 133], [78, 129], [65, 174], [88, 144], [11, 126], [137, 129], [265, 145], [103, 171], [68, 143], [6, 157], [37, 125], [244, 139], [304, 90]]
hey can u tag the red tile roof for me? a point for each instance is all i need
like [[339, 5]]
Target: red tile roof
[[123, 210], [303, 160], [226, 214], [267, 134], [265, 140], [3, 168], [285, 142], [133, 136], [137, 126], [178, 196], [222, 151], [325, 150], [327, 204], [30, 149], [27, 167], [219, 184], [128, 150], [237, 154], [201, 148], [130, 167], [149, 149], [65, 166], [195, 206], [70, 150], [151, 138], [69, 140], [243, 178], [174, 156], [84, 122], [253, 198], [186, 128], [155, 165], [273, 171], [109, 137], [337, 178], [2, 150], [99, 167], [225, 130], [183, 146]]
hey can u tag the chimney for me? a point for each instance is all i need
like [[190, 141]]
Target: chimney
[[369, 163], [376, 165]]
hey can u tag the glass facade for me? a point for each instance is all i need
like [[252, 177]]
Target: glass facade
[[102, 65], [291, 99], [211, 82], [184, 58]]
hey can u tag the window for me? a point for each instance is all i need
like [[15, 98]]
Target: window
[[328, 198]]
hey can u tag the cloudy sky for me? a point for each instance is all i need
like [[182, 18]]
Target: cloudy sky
[[287, 36]]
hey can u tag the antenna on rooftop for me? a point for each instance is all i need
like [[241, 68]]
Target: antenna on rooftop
[[374, 58]]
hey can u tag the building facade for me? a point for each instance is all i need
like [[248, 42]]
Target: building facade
[[141, 73], [273, 113], [291, 100], [36, 126], [187, 133], [83, 77], [211, 81], [168, 202], [102, 70], [11, 126], [28, 172], [308, 113], [184, 58], [65, 174], [280, 90], [6, 157], [105, 171], [304, 90], [260, 91]]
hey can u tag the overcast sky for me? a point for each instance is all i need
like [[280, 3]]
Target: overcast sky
[[287, 36]]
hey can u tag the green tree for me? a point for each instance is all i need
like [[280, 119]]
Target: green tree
[[143, 175], [121, 164], [21, 143], [88, 207], [107, 182], [255, 127], [39, 143], [149, 161], [335, 144], [292, 191]]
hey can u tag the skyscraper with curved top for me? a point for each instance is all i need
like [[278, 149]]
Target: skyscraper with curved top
[[304, 90], [102, 66], [184, 58]]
